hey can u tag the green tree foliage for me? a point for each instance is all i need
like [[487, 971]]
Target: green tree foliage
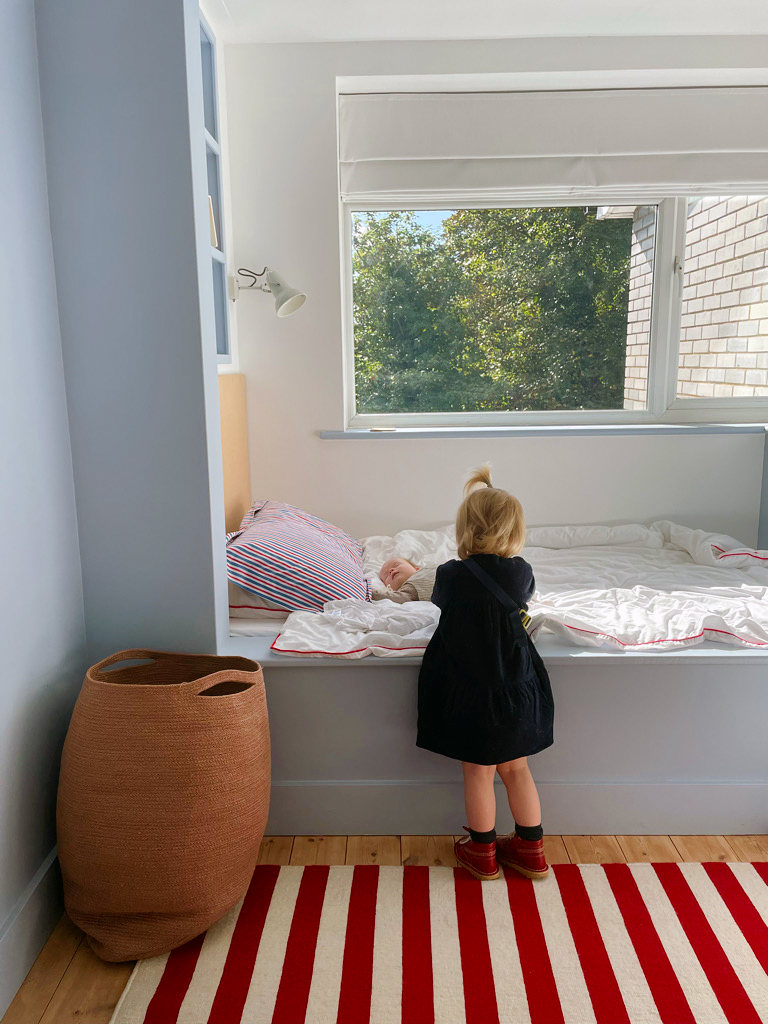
[[505, 309]]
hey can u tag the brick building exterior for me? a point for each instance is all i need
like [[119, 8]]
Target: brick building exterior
[[639, 311], [724, 319]]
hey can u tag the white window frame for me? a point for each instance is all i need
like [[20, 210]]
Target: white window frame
[[663, 405], [214, 147]]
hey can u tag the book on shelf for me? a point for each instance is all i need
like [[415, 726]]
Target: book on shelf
[[212, 219]]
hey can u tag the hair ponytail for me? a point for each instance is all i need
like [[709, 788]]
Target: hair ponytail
[[480, 478], [489, 520]]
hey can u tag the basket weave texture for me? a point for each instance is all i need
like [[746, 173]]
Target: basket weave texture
[[163, 798]]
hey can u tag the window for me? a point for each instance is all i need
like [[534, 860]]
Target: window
[[215, 204], [552, 251], [520, 309]]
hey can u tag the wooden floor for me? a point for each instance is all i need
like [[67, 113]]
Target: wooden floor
[[68, 984]]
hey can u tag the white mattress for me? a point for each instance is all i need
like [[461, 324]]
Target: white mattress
[[633, 587], [257, 625]]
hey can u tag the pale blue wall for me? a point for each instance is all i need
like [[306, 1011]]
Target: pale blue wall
[[42, 633], [107, 513], [123, 168]]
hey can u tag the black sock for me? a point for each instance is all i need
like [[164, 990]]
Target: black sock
[[483, 837], [529, 832]]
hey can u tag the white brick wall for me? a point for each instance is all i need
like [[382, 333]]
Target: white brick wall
[[639, 311], [724, 330], [724, 317]]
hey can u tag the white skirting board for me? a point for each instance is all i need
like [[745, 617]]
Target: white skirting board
[[26, 929], [418, 808]]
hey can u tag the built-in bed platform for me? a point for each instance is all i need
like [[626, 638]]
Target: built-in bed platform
[[645, 743]]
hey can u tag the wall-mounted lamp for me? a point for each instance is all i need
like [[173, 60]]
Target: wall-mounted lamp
[[287, 299]]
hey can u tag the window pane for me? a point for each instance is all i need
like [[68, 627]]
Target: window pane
[[508, 309], [208, 60], [724, 326], [220, 307]]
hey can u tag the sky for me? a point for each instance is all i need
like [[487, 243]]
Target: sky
[[432, 219]]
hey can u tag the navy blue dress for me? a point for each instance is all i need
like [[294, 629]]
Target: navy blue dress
[[484, 693]]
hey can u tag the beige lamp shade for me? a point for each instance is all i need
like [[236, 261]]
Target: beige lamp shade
[[287, 299]]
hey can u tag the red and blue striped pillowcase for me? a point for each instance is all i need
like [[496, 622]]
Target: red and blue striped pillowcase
[[294, 560]]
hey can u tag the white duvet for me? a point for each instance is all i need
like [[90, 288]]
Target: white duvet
[[634, 587]]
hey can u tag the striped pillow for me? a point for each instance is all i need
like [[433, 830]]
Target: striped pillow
[[294, 560]]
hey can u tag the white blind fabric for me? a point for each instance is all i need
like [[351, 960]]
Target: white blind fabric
[[607, 144]]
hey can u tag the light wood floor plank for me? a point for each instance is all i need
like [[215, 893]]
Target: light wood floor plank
[[37, 990], [319, 850], [374, 850], [593, 850], [89, 990], [430, 850], [701, 848], [275, 850], [748, 848], [555, 850], [648, 848]]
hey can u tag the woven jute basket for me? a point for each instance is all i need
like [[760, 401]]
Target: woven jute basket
[[163, 798]]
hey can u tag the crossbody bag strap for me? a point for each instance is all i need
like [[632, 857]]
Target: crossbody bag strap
[[490, 584], [516, 613]]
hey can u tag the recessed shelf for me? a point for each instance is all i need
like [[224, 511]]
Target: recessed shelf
[[211, 143], [217, 254]]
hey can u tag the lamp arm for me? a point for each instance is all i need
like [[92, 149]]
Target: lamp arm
[[254, 274], [287, 299]]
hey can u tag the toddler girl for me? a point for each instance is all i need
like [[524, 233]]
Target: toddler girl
[[484, 693]]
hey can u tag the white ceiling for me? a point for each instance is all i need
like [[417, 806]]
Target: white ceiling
[[356, 20]]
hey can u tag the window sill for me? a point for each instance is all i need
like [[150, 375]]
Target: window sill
[[575, 430]]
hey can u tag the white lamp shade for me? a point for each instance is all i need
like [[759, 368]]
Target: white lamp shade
[[287, 299]]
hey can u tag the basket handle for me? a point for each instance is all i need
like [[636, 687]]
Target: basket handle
[[134, 654], [214, 680], [226, 687]]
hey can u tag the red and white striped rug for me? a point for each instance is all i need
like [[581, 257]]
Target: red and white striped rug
[[590, 944]]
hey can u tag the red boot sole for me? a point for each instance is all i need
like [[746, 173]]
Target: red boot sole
[[528, 872], [475, 873]]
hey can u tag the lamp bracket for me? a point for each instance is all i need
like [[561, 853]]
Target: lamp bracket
[[255, 274], [287, 299]]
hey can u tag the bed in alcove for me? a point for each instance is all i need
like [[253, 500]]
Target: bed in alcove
[[645, 743]]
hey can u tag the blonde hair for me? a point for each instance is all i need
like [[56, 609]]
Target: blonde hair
[[489, 521]]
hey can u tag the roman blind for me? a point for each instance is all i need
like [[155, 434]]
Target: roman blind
[[453, 147]]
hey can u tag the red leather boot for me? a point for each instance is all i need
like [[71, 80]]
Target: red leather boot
[[478, 858], [524, 855]]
